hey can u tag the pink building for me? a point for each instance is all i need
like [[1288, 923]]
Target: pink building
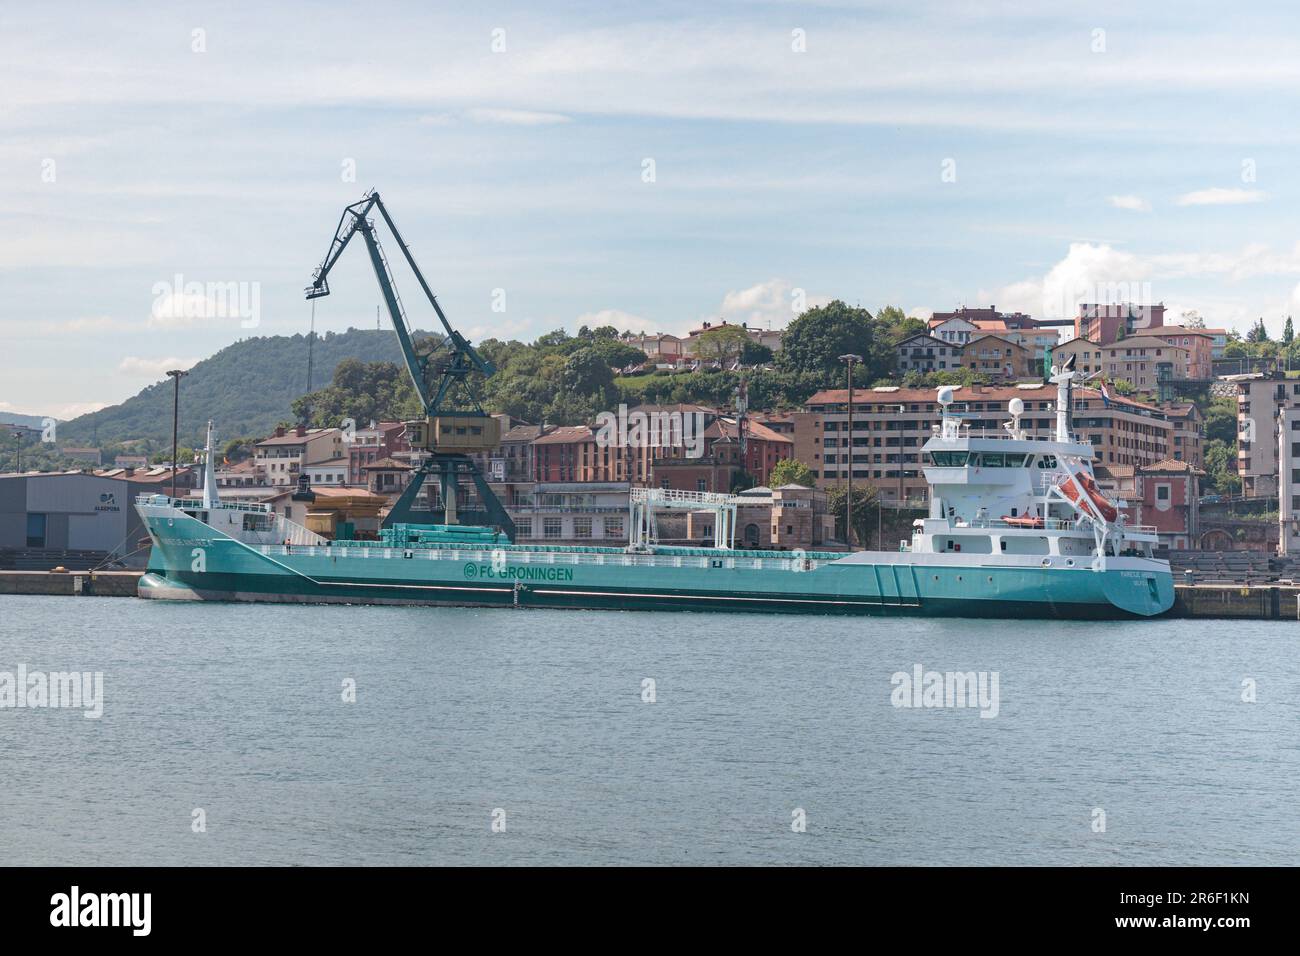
[[1167, 496], [1102, 323], [1200, 349]]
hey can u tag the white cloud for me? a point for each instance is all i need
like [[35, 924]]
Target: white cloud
[[1088, 273], [774, 302], [517, 117], [133, 365], [657, 66], [1097, 272], [179, 304], [1134, 203], [1221, 197]]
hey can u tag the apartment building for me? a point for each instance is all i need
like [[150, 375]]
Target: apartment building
[[998, 358], [1188, 432], [723, 461], [282, 456], [1261, 399], [374, 443], [1142, 361], [954, 331], [1199, 344], [1288, 450], [333, 471], [569, 453], [891, 424], [927, 353], [1105, 324], [1035, 341]]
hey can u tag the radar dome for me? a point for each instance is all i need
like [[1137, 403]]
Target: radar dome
[[1016, 406], [945, 395]]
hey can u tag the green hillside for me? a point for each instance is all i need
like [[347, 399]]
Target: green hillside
[[245, 389]]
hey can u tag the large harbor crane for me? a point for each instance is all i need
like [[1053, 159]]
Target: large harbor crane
[[454, 426]]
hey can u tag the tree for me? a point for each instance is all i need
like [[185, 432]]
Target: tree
[[617, 354], [1257, 332], [587, 373], [755, 353], [1288, 332], [722, 343], [1192, 320], [1123, 386], [237, 449], [790, 471], [813, 342], [363, 392], [1221, 467], [1221, 421], [184, 456], [866, 505], [894, 325]]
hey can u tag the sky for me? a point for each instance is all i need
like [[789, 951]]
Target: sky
[[173, 173]]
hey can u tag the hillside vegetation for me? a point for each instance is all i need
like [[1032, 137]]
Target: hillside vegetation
[[246, 389]]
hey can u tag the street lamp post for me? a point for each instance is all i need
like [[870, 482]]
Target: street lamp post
[[176, 375], [848, 361]]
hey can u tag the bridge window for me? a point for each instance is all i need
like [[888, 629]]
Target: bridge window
[[949, 459]]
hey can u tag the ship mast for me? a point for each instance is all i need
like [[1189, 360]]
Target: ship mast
[[209, 473], [1062, 376]]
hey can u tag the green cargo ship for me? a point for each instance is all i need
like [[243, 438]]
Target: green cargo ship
[[1016, 528]]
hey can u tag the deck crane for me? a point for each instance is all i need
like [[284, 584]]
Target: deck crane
[[455, 425]]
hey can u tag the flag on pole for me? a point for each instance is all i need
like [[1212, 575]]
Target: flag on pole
[[1105, 396]]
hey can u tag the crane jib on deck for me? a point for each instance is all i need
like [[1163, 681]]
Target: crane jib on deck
[[455, 424]]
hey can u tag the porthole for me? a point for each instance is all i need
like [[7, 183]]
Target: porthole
[[1069, 562], [1047, 562]]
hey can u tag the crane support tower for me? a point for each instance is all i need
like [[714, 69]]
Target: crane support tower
[[454, 426]]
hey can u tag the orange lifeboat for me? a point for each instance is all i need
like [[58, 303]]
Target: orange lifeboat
[[1100, 502], [1023, 521]]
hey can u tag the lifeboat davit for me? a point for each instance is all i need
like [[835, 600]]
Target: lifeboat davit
[[1100, 502]]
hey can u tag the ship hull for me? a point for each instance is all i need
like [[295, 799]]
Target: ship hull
[[191, 561]]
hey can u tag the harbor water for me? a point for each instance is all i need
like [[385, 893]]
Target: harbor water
[[229, 735]]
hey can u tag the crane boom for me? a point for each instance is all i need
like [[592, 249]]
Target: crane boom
[[456, 358], [455, 424]]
